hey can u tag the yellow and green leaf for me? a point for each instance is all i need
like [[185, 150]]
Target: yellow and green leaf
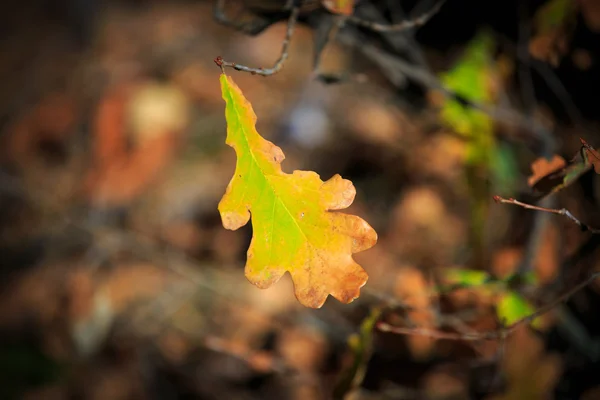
[[295, 228]]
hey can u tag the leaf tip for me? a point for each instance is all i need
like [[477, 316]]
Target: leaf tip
[[234, 220]]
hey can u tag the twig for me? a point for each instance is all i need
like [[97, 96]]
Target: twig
[[401, 26], [487, 335], [283, 56], [562, 211]]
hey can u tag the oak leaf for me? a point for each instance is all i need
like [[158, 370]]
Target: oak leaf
[[294, 229]]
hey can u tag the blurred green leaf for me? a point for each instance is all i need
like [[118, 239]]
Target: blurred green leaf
[[361, 345], [505, 169], [466, 277], [514, 307], [470, 78], [488, 166], [529, 278]]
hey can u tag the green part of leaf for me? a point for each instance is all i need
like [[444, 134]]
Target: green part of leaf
[[513, 307], [466, 277], [469, 78]]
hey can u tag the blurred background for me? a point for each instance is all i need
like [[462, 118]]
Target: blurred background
[[118, 280]]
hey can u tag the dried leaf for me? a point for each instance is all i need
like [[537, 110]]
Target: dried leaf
[[550, 24], [593, 157], [590, 9], [341, 7], [542, 168], [548, 178], [149, 117], [293, 228]]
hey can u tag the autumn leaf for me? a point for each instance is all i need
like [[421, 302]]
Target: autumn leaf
[[545, 174], [294, 229], [341, 7], [551, 34], [552, 176], [592, 155], [590, 10]]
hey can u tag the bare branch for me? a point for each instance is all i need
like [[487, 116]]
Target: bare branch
[[284, 50], [499, 334], [561, 211], [401, 26]]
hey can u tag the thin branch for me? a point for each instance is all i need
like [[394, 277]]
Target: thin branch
[[401, 26], [499, 334], [284, 51], [561, 211]]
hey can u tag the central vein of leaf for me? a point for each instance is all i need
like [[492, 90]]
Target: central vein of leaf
[[264, 174]]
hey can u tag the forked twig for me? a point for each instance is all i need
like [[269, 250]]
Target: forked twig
[[487, 335], [295, 11], [561, 211], [400, 26]]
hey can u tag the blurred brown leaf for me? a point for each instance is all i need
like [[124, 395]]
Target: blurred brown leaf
[[411, 286], [43, 129], [582, 59], [593, 155], [549, 47], [531, 373], [542, 168], [590, 9], [149, 119]]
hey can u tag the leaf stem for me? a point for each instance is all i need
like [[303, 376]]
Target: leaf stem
[[295, 11]]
